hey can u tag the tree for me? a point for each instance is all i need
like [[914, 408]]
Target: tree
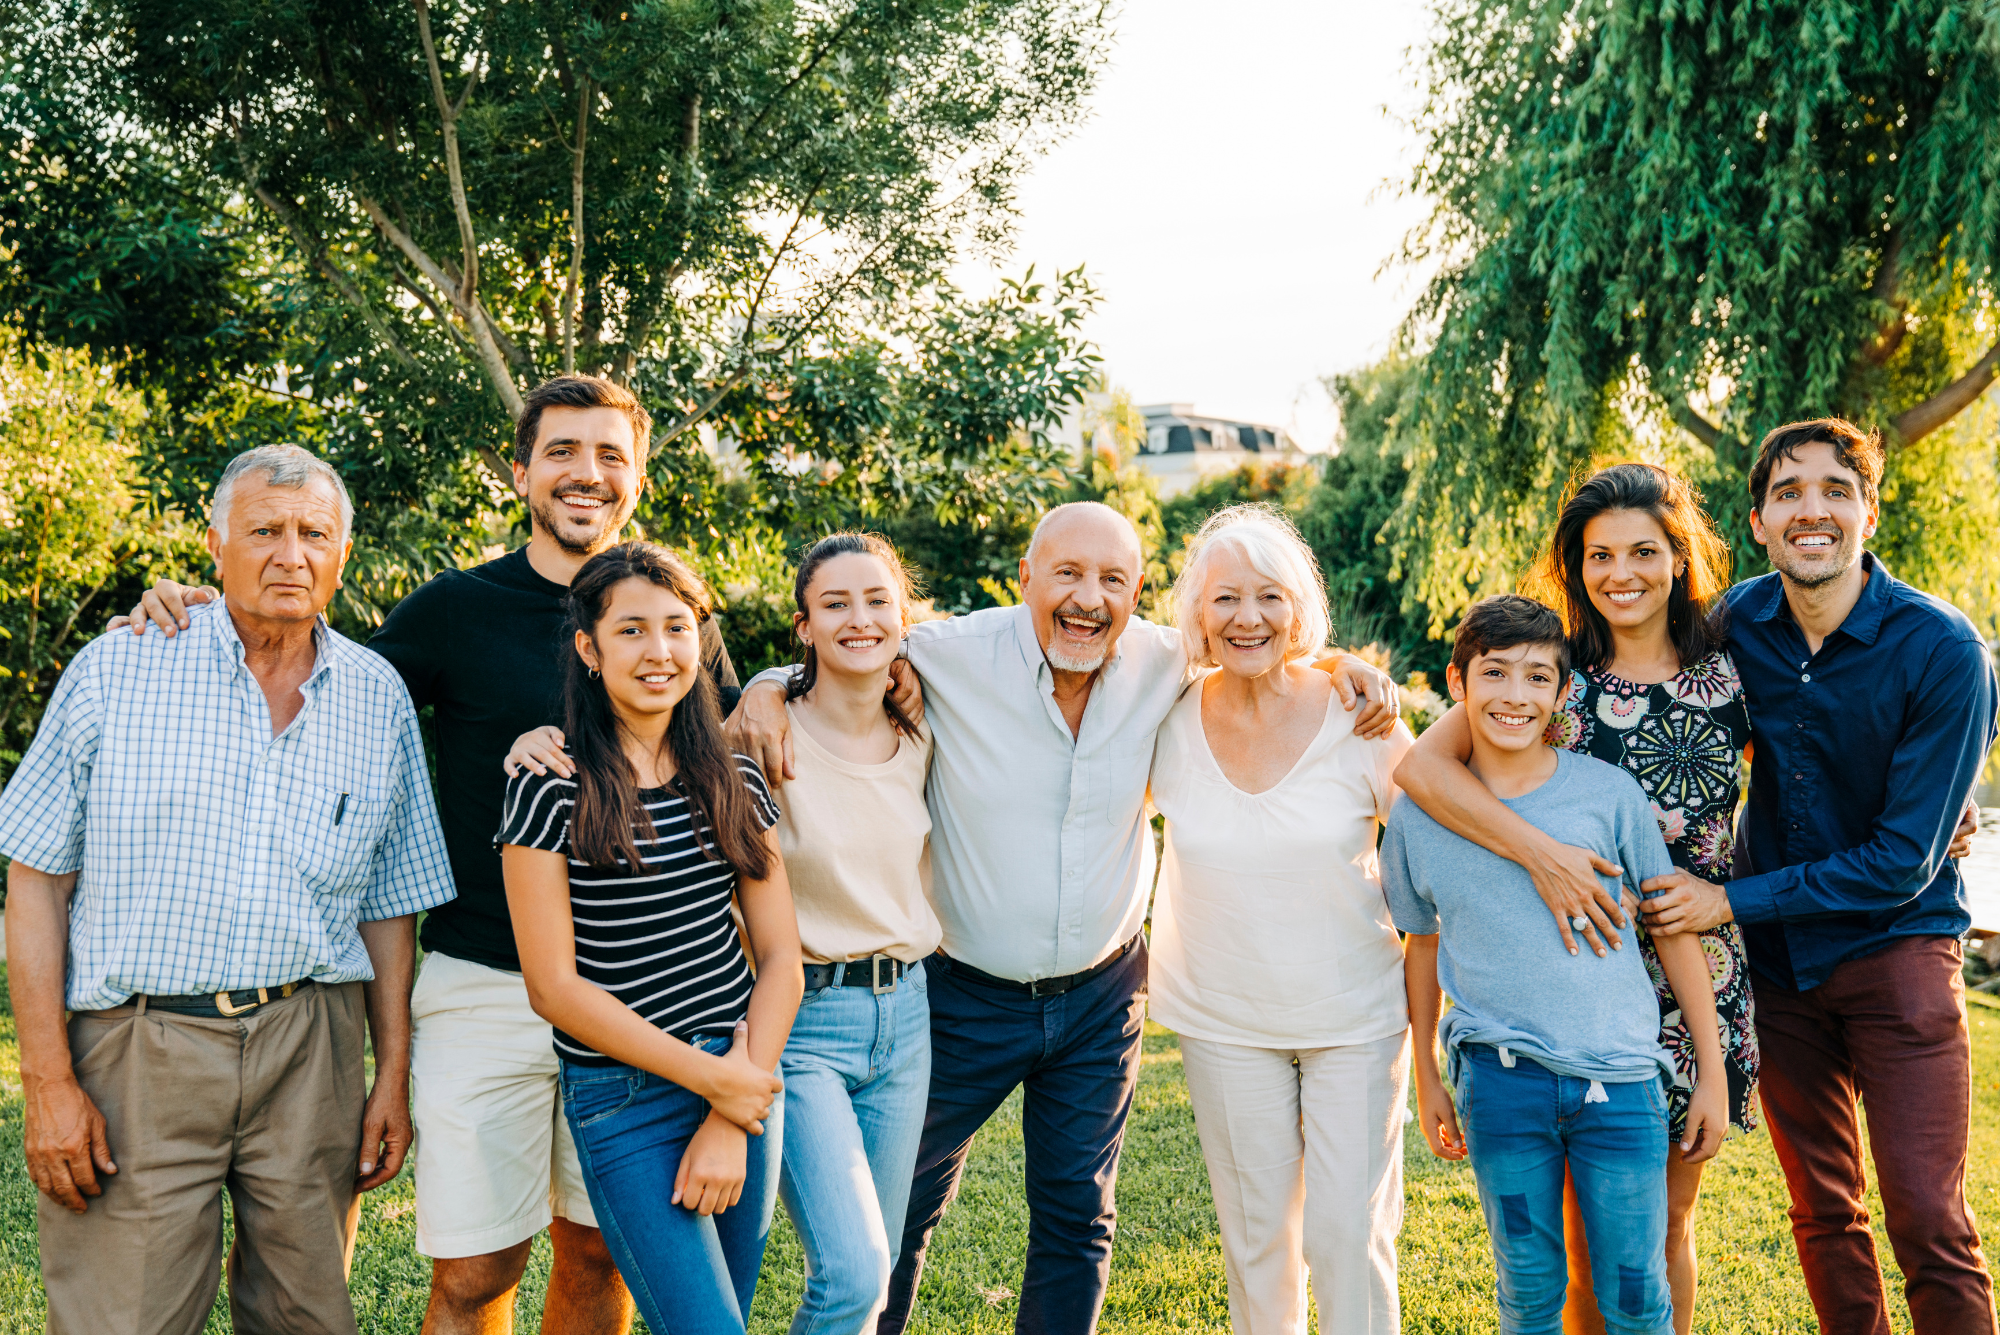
[[371, 225], [1669, 228]]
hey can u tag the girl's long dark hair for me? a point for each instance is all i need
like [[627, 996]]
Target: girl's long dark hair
[[846, 544], [1695, 617], [608, 811]]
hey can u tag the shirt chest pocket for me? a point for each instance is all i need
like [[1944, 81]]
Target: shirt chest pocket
[[331, 836]]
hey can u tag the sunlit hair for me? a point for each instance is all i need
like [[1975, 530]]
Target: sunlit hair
[[817, 555], [1274, 550], [1858, 451], [1693, 615], [282, 466], [608, 810]]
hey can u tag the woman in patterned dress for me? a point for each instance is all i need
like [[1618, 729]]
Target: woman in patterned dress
[[1633, 566]]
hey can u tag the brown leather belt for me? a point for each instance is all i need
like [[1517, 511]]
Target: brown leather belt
[[221, 1005]]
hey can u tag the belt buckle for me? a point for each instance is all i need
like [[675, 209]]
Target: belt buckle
[[875, 963], [223, 1004]]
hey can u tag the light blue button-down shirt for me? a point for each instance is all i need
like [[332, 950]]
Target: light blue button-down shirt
[[1041, 854], [210, 854]]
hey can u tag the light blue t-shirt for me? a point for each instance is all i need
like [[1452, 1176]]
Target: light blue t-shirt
[[1500, 959]]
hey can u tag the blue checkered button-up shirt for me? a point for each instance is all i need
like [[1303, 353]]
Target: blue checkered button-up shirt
[[210, 854]]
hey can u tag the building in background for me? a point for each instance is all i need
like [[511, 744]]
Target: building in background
[[1183, 446]]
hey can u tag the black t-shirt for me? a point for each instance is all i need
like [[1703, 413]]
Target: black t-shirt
[[485, 648], [660, 936]]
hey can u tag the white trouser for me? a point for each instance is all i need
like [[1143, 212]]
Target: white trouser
[[1306, 1163]]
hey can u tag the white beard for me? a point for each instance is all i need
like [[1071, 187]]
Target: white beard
[[1063, 662]]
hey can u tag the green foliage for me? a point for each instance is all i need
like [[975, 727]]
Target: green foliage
[[1654, 218], [75, 542]]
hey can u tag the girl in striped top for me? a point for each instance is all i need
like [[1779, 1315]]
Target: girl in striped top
[[620, 881]]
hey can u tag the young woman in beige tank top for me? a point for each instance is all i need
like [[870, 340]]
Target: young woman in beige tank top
[[854, 834]]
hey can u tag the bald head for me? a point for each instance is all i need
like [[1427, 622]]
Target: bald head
[[1087, 522], [1081, 579]]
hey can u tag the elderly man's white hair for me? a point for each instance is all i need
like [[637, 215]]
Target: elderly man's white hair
[[285, 466], [1274, 549]]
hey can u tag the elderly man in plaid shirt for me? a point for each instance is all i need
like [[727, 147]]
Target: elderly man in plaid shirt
[[220, 842]]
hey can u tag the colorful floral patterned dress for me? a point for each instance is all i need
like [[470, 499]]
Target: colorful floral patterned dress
[[1681, 739]]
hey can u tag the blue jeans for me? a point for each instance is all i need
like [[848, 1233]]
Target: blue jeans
[[689, 1275], [857, 1069], [1078, 1056], [1522, 1125]]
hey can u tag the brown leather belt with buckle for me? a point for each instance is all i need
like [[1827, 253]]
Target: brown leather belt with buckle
[[222, 1005]]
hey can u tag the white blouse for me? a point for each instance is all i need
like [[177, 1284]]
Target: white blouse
[[1269, 925]]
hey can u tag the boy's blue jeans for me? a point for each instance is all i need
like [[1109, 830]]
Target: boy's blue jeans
[[1522, 1125], [857, 1076], [689, 1274]]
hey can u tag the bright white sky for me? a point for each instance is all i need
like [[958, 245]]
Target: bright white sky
[[1228, 196]]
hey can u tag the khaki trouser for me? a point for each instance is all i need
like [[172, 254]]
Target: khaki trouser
[[267, 1105]]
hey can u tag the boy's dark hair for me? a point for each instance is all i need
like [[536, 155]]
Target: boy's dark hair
[[578, 391], [1858, 451], [1503, 621]]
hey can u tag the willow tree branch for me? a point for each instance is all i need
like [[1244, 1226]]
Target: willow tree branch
[[1703, 430], [1913, 424], [1888, 278], [573, 285]]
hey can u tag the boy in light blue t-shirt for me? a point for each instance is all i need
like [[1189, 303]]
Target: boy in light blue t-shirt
[[1554, 1058]]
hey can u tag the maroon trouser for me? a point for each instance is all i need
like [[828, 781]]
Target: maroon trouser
[[1890, 1029]]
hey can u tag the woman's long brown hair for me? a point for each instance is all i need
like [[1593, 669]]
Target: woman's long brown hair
[[608, 811], [1694, 614]]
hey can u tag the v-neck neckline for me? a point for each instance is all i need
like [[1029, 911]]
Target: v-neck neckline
[[1201, 730]]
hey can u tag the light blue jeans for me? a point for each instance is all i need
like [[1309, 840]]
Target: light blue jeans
[[1521, 1125], [689, 1274], [857, 1074]]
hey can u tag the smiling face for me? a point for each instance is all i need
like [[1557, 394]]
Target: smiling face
[[282, 559], [583, 480], [1814, 517], [1246, 616], [855, 615], [1629, 569], [1081, 580], [1509, 695], [647, 645]]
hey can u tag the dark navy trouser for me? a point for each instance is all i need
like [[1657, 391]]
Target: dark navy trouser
[[1078, 1056]]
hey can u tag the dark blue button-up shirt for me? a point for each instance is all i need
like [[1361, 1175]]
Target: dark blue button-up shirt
[[1864, 755]]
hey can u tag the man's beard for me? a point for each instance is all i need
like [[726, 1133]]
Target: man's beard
[[1845, 552], [554, 523], [1067, 662]]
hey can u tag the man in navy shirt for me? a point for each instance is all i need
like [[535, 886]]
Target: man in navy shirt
[[1871, 712]]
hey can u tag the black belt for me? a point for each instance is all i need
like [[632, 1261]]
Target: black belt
[[1041, 987], [867, 973], [221, 1005]]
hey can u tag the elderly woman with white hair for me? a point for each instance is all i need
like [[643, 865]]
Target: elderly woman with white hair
[[1273, 955]]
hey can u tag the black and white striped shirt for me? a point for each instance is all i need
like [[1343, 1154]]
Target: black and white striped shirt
[[660, 939]]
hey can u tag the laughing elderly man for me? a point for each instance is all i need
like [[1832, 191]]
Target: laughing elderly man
[[220, 842]]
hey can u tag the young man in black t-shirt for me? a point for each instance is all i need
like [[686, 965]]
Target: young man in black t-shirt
[[484, 648]]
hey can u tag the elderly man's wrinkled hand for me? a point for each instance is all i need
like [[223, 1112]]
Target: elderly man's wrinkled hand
[[906, 691], [1682, 902], [65, 1140]]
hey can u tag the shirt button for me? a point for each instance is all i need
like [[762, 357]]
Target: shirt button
[[1798, 776], [1805, 676]]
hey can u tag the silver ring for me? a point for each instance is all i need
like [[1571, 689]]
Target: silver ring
[[1579, 923]]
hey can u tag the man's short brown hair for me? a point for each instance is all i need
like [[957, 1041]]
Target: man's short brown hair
[[1858, 451], [578, 391], [1503, 621]]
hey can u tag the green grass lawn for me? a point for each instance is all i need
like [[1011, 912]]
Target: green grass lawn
[[1168, 1272]]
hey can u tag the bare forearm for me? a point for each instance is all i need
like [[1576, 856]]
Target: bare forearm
[[1426, 999], [774, 1004], [392, 954], [37, 961], [1450, 794], [1685, 964], [595, 1017]]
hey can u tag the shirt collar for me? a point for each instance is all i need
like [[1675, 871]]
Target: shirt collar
[[230, 645], [1864, 619]]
